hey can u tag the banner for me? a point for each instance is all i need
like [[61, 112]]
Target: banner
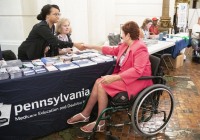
[[38, 105], [182, 15]]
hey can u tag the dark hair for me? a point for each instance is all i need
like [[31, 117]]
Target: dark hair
[[46, 11], [132, 28]]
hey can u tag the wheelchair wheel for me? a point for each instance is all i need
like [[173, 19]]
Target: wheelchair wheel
[[152, 110]]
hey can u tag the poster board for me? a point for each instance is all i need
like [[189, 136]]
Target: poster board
[[194, 14], [182, 12]]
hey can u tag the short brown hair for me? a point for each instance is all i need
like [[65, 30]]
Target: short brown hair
[[132, 28]]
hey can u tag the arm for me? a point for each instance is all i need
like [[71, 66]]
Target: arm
[[104, 49], [141, 34], [98, 48], [46, 33], [109, 79]]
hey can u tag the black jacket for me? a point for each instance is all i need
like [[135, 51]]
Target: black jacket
[[40, 37]]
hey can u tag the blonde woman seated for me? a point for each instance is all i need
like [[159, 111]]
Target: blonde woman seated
[[144, 30], [63, 31], [132, 63]]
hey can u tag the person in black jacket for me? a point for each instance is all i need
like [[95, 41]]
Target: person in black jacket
[[41, 40]]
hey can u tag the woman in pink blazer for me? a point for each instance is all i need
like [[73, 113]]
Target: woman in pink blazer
[[132, 63]]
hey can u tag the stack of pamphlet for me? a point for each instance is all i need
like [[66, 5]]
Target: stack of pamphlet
[[59, 62], [65, 57], [98, 60], [88, 55], [40, 69], [51, 68], [14, 72], [28, 71], [84, 62], [13, 63], [37, 62], [3, 64], [48, 60], [3, 74], [27, 65], [67, 66], [76, 57], [106, 58]]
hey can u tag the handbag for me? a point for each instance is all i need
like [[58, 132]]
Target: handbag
[[114, 39]]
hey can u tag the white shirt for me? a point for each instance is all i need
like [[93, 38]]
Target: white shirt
[[122, 59], [146, 34], [63, 38]]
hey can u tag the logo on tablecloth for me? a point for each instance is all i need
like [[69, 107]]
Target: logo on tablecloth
[[5, 110]]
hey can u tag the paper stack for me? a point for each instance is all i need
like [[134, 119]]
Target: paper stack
[[13, 63], [51, 68], [14, 72], [84, 62], [106, 58], [98, 60], [67, 66], [27, 65], [37, 62], [40, 69], [28, 71], [3, 74], [48, 60]]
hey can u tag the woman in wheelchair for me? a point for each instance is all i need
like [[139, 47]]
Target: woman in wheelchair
[[132, 62]]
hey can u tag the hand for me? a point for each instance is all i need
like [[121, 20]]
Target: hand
[[46, 50], [79, 46], [109, 79]]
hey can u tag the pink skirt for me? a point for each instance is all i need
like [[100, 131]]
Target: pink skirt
[[114, 88]]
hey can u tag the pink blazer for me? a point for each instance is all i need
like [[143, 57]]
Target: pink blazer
[[136, 64]]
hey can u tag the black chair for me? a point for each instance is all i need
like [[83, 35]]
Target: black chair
[[149, 112], [8, 55], [165, 60]]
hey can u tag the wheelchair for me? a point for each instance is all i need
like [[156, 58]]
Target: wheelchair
[[149, 112]]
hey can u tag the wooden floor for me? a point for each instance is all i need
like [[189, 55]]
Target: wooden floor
[[185, 122]]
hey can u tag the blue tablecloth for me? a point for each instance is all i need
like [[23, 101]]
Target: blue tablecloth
[[179, 45], [175, 50], [38, 105]]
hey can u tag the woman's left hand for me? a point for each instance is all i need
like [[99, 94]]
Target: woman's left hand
[[109, 79]]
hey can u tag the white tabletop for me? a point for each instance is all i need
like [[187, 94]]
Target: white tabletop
[[161, 45]]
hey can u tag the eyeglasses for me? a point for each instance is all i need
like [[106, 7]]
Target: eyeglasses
[[56, 14]]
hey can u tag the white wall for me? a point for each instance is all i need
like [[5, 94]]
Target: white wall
[[91, 20]]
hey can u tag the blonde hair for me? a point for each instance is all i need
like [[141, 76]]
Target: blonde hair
[[145, 22], [59, 24]]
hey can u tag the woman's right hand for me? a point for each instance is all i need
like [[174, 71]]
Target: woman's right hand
[[79, 46]]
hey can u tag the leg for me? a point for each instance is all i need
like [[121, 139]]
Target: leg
[[194, 44], [89, 106], [102, 104]]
